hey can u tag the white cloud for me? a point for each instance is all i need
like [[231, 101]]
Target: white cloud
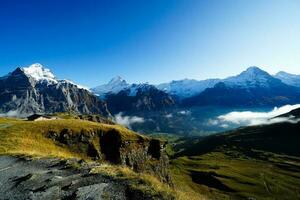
[[248, 118], [11, 113], [169, 115], [184, 112], [128, 120]]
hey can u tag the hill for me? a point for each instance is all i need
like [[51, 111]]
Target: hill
[[258, 162]]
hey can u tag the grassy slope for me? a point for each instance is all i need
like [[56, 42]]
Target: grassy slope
[[259, 162], [30, 138], [19, 137], [229, 174]]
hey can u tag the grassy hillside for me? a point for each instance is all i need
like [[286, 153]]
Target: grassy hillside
[[259, 162], [228, 174], [43, 139], [33, 138]]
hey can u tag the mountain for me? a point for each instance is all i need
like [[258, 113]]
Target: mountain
[[139, 97], [35, 89], [187, 87], [114, 86], [252, 87], [289, 79], [124, 97], [256, 162]]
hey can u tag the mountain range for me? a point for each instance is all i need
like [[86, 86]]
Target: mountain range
[[252, 87], [35, 89]]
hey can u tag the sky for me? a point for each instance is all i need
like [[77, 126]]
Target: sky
[[91, 41]]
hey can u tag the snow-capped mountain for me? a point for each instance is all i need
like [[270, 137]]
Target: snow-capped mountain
[[39, 73], [187, 87], [139, 97], [251, 78], [114, 86], [289, 79], [124, 97], [252, 87], [35, 89]]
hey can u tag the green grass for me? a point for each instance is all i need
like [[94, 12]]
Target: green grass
[[278, 177], [18, 137]]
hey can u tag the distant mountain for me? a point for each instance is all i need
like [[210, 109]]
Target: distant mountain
[[187, 87], [35, 89], [253, 87], [139, 97], [114, 86], [124, 97], [289, 79]]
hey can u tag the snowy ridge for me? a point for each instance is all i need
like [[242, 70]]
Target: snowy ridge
[[187, 87], [39, 73], [289, 79], [72, 83], [252, 77], [114, 86]]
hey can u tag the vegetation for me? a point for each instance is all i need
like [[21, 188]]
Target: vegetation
[[259, 162], [145, 183], [229, 174], [18, 137]]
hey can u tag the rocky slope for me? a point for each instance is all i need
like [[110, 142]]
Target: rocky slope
[[139, 97], [26, 178], [35, 90]]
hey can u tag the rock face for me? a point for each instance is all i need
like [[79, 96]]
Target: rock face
[[23, 93], [142, 97], [55, 179], [141, 154]]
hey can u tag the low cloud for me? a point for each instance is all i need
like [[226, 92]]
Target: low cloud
[[128, 120], [184, 112], [12, 113], [169, 115], [249, 118]]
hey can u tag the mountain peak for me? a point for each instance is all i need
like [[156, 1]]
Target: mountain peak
[[39, 72], [255, 70], [251, 77], [116, 80], [288, 78]]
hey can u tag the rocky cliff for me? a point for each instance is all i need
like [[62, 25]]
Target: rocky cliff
[[139, 153], [33, 90]]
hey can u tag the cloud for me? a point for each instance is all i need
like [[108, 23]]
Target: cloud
[[184, 112], [169, 115], [128, 120], [249, 118], [12, 113]]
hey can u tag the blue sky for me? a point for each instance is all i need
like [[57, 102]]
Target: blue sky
[[152, 41]]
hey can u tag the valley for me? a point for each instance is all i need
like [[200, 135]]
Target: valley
[[140, 141]]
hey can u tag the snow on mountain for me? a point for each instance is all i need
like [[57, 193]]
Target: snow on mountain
[[289, 79], [114, 86], [71, 82], [187, 87], [142, 87], [250, 78], [39, 73]]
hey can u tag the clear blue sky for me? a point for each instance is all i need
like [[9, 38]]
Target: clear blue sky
[[152, 41]]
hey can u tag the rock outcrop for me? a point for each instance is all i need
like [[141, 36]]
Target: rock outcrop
[[140, 153]]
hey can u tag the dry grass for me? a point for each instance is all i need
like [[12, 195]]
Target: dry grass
[[147, 183], [19, 137]]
